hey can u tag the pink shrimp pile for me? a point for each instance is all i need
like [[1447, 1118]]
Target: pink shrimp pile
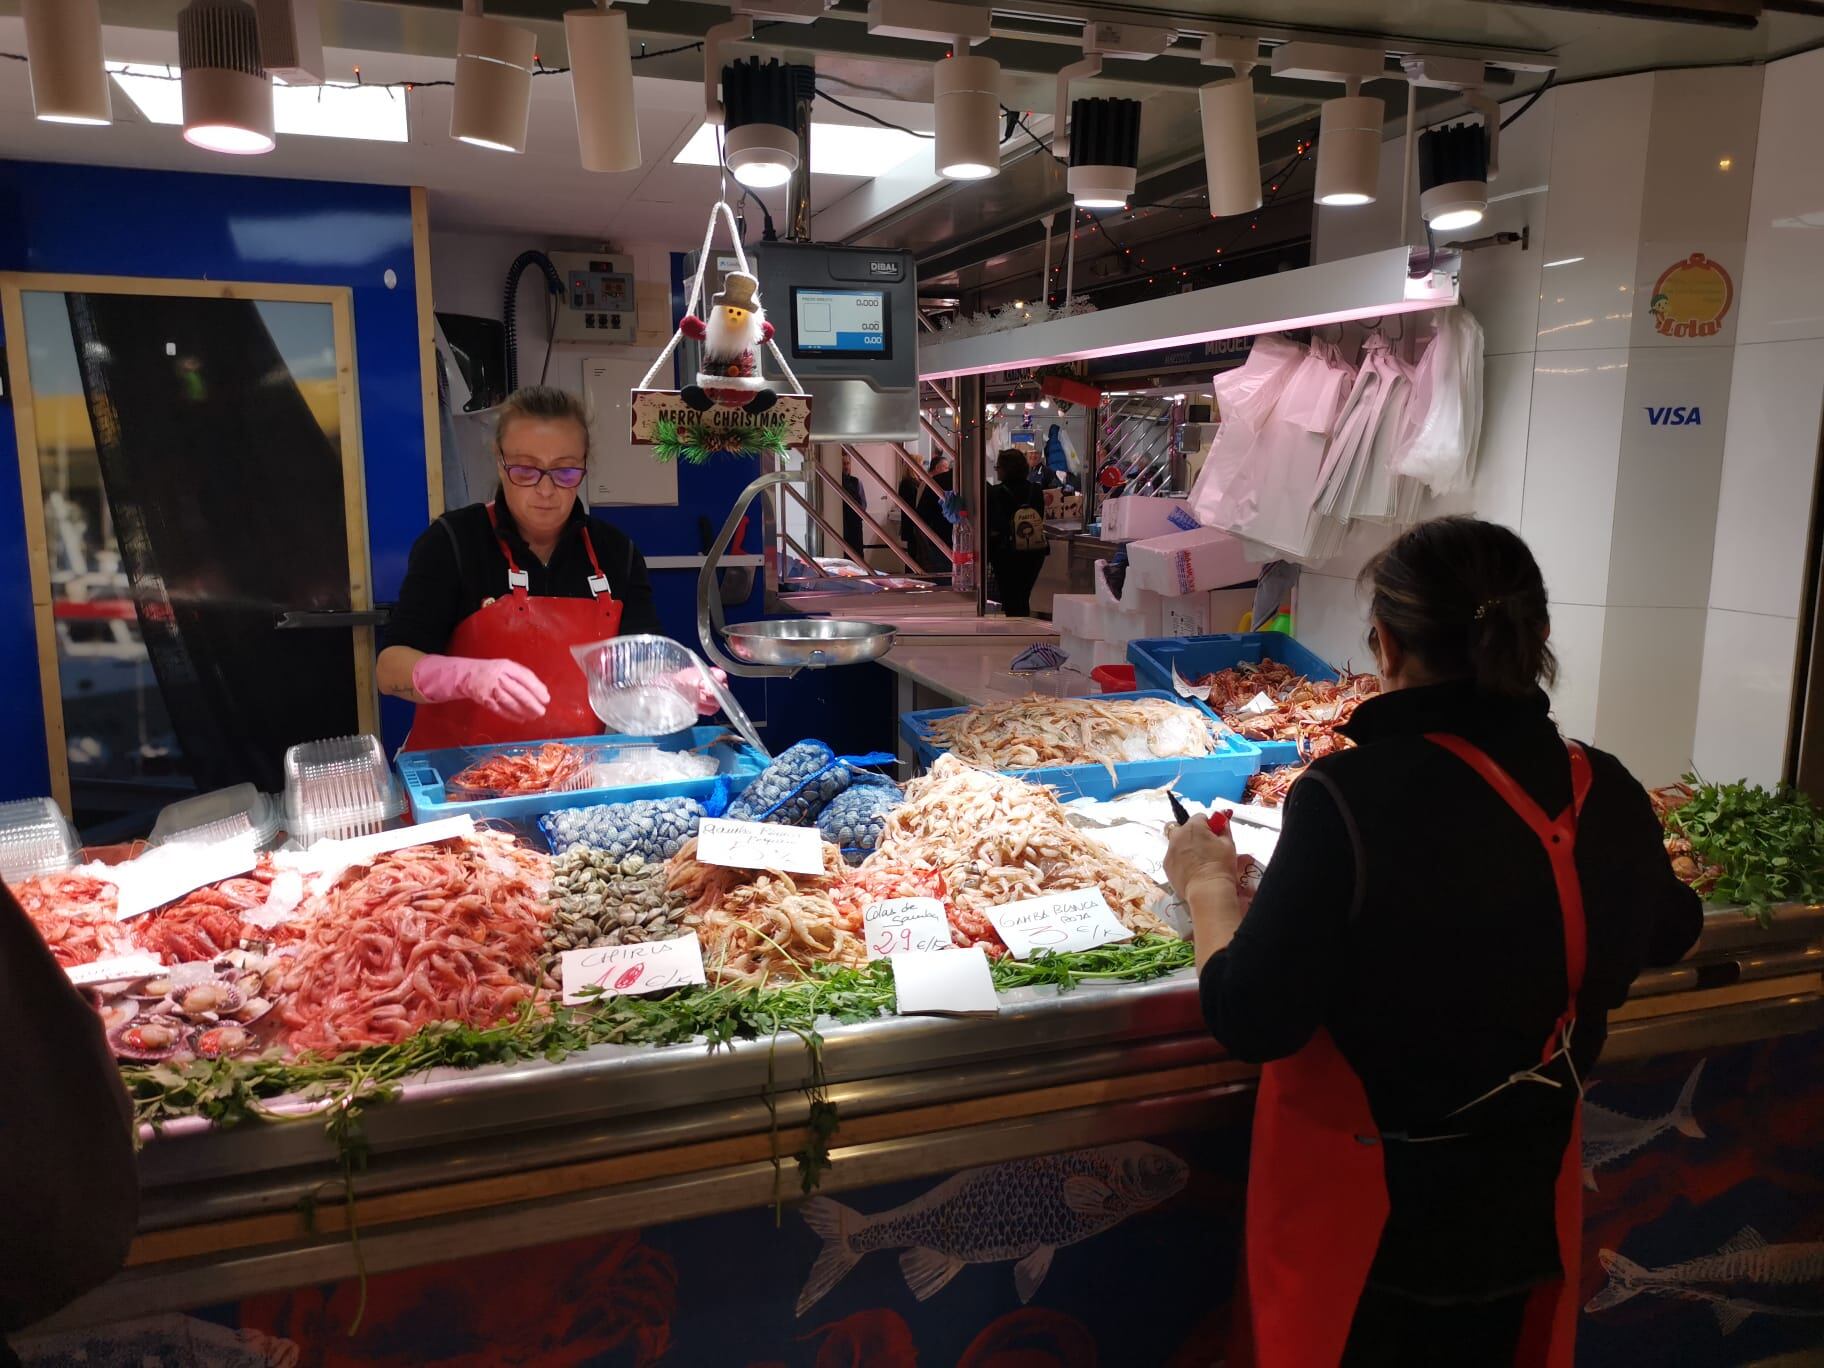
[[203, 924], [448, 932], [75, 915]]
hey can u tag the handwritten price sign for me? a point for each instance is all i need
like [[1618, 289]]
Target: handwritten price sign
[[760, 845], [1058, 921], [903, 926], [618, 970]]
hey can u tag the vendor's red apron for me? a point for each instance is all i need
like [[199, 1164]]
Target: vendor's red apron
[[538, 633], [1317, 1194]]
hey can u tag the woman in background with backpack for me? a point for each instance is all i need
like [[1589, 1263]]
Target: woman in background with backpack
[[1015, 524]]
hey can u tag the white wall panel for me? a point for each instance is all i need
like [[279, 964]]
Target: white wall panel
[[1572, 457], [1745, 698], [1783, 280]]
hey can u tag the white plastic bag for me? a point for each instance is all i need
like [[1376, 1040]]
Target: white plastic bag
[[1444, 419], [1245, 398]]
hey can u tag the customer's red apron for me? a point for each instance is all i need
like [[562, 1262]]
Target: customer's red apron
[[1317, 1193], [538, 633]]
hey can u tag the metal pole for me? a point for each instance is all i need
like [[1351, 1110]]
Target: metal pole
[[1412, 113], [906, 510], [972, 475]]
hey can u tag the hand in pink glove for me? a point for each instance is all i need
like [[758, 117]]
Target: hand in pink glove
[[691, 682], [503, 686]]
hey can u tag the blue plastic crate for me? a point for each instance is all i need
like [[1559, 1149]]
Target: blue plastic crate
[[425, 774], [1198, 656], [1222, 775]]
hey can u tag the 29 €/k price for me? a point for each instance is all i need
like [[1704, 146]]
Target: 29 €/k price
[[1059, 921], [618, 970], [903, 926]]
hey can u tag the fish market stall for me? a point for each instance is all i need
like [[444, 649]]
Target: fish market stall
[[614, 1154]]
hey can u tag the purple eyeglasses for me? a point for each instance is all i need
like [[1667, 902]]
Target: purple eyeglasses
[[527, 476]]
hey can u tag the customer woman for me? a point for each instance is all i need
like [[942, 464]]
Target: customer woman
[[932, 558], [1015, 525], [496, 594], [1454, 906]]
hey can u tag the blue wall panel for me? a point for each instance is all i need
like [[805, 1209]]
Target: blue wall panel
[[109, 221]]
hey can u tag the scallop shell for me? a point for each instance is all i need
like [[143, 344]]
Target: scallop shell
[[116, 1013], [223, 1040], [154, 989], [250, 1010], [127, 1046], [221, 997]]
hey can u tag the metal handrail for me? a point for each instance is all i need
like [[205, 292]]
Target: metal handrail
[[906, 510], [828, 531], [861, 510]]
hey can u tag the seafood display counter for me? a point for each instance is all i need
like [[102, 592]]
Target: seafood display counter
[[464, 1165]]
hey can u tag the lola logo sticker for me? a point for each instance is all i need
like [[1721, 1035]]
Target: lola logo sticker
[[1674, 417], [1691, 298]]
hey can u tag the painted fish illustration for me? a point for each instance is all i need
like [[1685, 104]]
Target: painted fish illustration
[[1023, 1210], [1744, 1277], [1611, 1135], [167, 1339]]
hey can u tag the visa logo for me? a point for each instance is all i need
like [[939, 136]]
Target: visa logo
[[1674, 417]]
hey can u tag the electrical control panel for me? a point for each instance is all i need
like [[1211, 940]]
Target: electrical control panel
[[599, 303]]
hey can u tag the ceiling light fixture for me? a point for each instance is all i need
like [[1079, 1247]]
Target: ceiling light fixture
[[1231, 146], [1104, 152], [63, 54], [493, 96], [1349, 149], [760, 102], [601, 80], [967, 104], [227, 94], [1454, 169]]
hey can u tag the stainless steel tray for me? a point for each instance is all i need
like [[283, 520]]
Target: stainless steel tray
[[808, 641]]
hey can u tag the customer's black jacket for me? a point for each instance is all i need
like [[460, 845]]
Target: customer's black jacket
[[1411, 914]]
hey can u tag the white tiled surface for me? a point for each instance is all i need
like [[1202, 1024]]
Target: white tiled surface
[[1501, 285], [1333, 620], [1577, 642], [1572, 456], [1783, 278], [1770, 456], [1499, 492], [1746, 694], [1599, 161], [1647, 699], [1665, 496]]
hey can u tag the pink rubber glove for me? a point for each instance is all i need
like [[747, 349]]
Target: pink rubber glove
[[692, 682], [503, 686]]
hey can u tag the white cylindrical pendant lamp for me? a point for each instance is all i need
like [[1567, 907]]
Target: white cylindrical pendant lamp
[[1349, 150], [493, 100], [63, 51], [1231, 148], [967, 102], [227, 93], [601, 77]]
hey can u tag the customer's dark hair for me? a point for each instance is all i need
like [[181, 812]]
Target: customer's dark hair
[[1010, 466], [1466, 598]]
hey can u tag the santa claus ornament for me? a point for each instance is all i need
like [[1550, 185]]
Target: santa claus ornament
[[730, 408]]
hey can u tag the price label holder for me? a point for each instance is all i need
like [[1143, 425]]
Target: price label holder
[[944, 983], [1059, 921], [626, 970], [114, 969], [900, 926], [760, 845]]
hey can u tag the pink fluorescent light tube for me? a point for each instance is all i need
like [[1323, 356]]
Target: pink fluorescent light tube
[[1369, 286]]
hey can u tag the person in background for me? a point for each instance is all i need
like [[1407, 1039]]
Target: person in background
[[1057, 456], [496, 594], [1425, 974], [1015, 527], [851, 520], [934, 560], [1039, 475], [908, 534], [68, 1176]]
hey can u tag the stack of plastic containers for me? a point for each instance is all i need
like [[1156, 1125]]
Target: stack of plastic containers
[[35, 838], [339, 788], [241, 813]]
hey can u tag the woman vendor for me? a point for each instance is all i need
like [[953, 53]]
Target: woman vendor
[[1454, 907], [496, 594]]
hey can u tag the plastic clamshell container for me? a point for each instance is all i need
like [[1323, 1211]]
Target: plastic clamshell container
[[339, 787], [240, 813], [35, 838], [1224, 774], [426, 776], [1195, 657]]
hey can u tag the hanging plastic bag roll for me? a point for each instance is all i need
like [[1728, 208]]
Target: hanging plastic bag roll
[[1444, 420]]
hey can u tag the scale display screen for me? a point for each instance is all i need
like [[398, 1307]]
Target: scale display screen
[[840, 323]]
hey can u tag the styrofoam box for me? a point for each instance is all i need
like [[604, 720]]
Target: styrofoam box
[[1128, 517], [1220, 610], [1075, 614], [1085, 654], [1187, 562], [1123, 625]]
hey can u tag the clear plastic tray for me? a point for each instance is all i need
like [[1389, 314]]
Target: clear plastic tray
[[640, 686], [35, 838], [241, 813], [339, 787]]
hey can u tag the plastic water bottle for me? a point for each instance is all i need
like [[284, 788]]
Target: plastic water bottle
[[962, 556]]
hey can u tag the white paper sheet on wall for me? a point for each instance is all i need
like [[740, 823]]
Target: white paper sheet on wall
[[621, 473]]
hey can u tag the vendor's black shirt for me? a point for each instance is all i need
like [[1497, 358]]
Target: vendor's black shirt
[[1410, 913], [456, 566]]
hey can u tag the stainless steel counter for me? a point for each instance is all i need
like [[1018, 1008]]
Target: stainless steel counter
[[506, 1156]]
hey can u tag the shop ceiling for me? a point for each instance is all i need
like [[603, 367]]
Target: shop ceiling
[[968, 234]]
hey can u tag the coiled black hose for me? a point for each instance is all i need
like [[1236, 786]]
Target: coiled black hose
[[509, 308]]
